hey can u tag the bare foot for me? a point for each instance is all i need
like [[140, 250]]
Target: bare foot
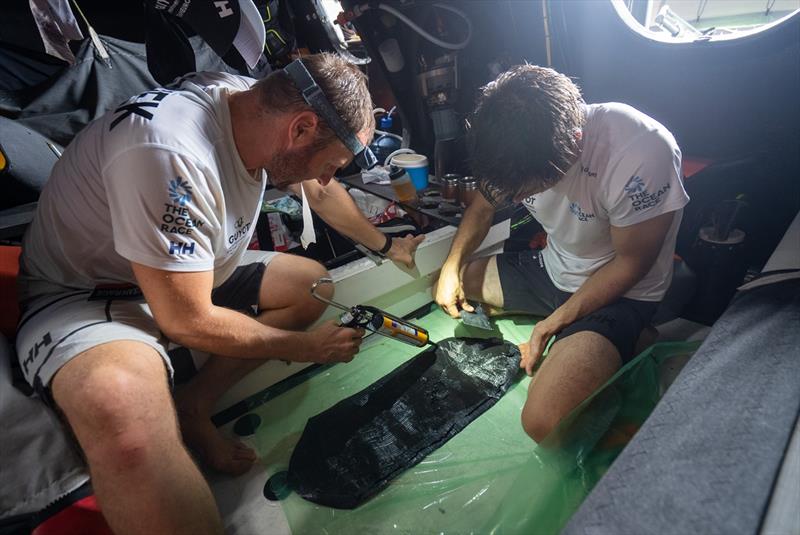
[[216, 451]]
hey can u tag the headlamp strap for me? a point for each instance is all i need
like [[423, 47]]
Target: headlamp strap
[[315, 97]]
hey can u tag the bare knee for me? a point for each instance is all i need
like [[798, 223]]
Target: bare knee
[[577, 365], [317, 271], [119, 418], [538, 424], [482, 282], [313, 308], [286, 287]]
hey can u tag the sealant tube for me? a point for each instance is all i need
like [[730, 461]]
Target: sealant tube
[[397, 328]]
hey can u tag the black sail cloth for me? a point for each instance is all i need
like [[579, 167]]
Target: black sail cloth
[[350, 452]]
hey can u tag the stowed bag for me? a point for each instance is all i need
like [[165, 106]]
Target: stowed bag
[[351, 451]]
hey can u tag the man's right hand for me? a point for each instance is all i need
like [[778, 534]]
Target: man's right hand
[[450, 293], [331, 343]]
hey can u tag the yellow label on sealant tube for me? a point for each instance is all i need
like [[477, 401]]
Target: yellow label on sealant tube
[[399, 330]]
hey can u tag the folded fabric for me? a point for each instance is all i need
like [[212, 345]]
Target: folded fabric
[[378, 175], [350, 452]]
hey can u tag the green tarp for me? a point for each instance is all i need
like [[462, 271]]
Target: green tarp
[[491, 477]]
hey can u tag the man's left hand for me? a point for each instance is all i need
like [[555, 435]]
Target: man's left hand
[[403, 249], [533, 349]]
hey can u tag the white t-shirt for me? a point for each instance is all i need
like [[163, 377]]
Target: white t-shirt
[[629, 171], [158, 181]]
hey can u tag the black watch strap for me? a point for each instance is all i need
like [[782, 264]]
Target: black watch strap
[[386, 246]]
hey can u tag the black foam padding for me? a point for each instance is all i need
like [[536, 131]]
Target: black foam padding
[[351, 451]]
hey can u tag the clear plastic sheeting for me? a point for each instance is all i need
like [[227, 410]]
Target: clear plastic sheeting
[[489, 478]]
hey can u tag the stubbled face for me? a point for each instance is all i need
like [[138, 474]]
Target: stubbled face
[[307, 163]]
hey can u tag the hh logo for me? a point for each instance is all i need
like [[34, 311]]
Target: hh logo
[[180, 191], [224, 9], [33, 353], [148, 99], [178, 248]]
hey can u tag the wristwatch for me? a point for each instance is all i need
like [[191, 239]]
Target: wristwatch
[[386, 246]]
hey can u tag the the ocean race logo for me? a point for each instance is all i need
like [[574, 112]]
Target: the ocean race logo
[[640, 197], [576, 210], [180, 191], [177, 219], [635, 185]]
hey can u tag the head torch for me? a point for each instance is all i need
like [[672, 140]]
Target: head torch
[[314, 97]]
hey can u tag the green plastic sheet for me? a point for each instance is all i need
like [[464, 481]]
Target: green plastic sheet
[[491, 477]]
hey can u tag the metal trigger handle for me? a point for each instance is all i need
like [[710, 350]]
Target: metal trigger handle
[[315, 295]]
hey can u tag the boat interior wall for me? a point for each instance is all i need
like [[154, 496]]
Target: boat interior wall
[[720, 99], [733, 103]]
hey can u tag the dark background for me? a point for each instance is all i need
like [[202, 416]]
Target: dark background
[[734, 104]]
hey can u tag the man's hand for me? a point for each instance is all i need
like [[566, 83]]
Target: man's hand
[[533, 349], [403, 249], [331, 343], [450, 293]]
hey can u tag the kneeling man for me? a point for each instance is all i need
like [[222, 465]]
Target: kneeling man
[[604, 181]]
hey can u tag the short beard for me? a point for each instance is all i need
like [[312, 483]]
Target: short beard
[[290, 167]]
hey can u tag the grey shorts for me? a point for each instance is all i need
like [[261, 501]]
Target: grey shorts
[[56, 328], [527, 288]]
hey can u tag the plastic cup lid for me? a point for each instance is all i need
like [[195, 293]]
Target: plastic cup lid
[[410, 160]]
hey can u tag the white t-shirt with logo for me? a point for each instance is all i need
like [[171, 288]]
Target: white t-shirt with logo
[[629, 171], [158, 181]]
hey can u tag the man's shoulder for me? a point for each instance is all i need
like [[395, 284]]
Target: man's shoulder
[[624, 116], [208, 79], [159, 118], [627, 131]]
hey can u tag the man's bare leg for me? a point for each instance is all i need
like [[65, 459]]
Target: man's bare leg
[[481, 282], [116, 399], [575, 367], [286, 303]]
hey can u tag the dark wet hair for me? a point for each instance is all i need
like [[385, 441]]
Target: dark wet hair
[[343, 84], [523, 131]]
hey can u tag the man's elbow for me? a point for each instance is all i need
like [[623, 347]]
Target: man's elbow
[[634, 269], [185, 326]]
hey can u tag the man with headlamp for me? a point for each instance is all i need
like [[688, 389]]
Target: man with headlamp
[[140, 239]]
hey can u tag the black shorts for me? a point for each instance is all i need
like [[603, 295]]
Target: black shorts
[[241, 290], [527, 288]]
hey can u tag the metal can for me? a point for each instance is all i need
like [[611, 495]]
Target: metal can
[[468, 190], [450, 183]]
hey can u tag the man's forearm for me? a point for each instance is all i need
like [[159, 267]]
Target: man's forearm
[[471, 231], [604, 286], [335, 206], [229, 333], [637, 248]]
